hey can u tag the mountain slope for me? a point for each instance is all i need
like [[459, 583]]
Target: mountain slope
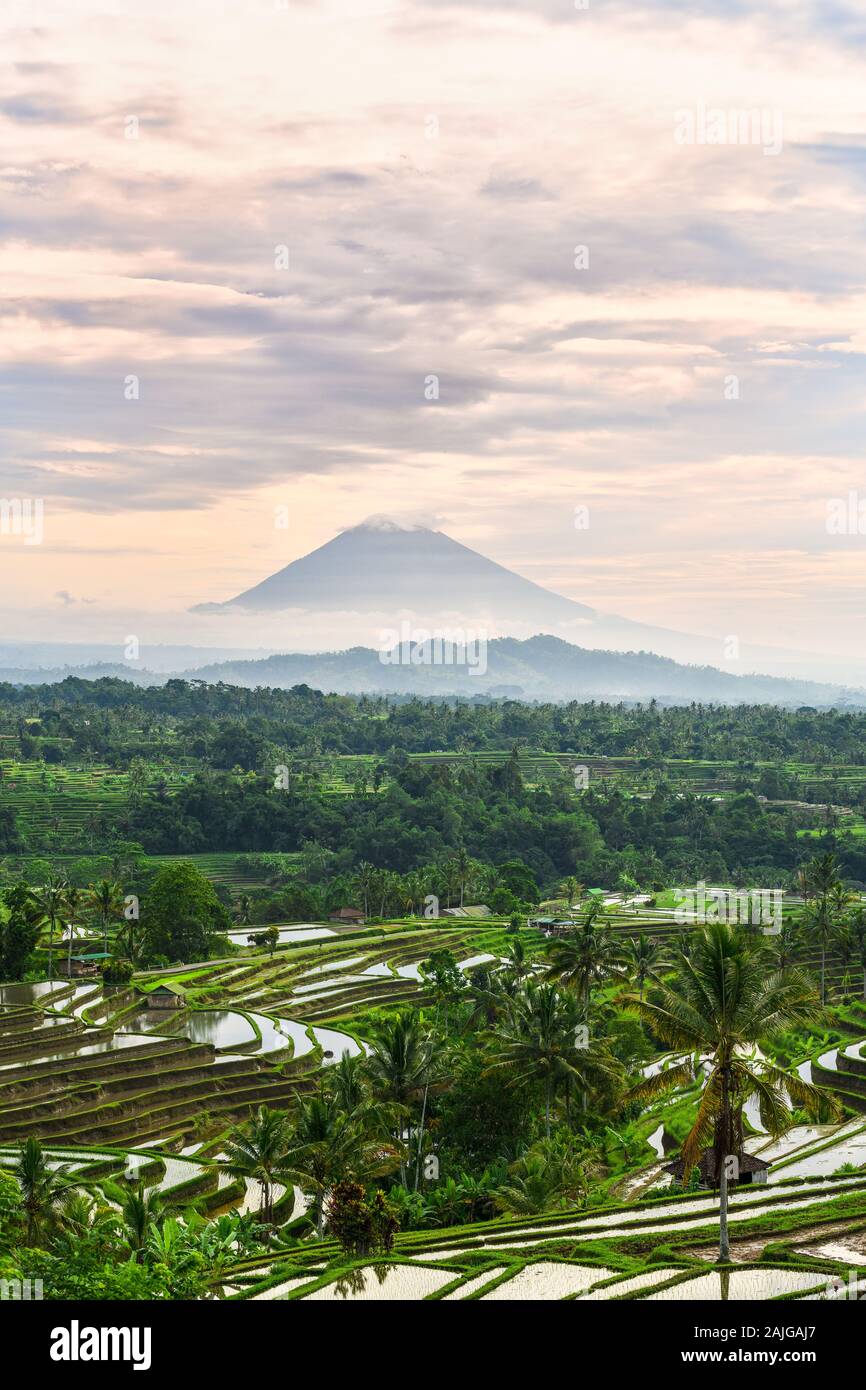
[[377, 575], [543, 667], [381, 566]]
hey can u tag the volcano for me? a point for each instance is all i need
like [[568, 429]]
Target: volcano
[[383, 573], [384, 569]]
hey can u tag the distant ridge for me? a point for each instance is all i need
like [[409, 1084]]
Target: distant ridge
[[538, 668]]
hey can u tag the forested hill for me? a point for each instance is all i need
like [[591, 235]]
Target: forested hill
[[542, 667], [538, 668]]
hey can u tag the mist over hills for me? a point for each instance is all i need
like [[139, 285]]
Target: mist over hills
[[383, 583], [538, 668], [374, 575]]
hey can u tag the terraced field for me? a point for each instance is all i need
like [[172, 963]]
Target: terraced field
[[115, 1089], [84, 1063]]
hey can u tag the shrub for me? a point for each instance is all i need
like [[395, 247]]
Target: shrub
[[362, 1226], [117, 971]]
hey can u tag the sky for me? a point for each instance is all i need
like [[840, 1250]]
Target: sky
[[269, 267]]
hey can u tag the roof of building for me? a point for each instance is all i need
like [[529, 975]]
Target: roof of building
[[161, 987], [749, 1163]]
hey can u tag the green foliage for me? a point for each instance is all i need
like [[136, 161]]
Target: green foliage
[[11, 1213], [363, 1225], [180, 913], [19, 931]]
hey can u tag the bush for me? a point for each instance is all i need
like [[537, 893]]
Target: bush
[[117, 972], [361, 1226]]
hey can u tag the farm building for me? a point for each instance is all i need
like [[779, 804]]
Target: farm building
[[349, 915], [165, 996], [752, 1170], [80, 966], [553, 926]]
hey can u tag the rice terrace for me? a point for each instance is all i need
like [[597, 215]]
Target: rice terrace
[[455, 1028]]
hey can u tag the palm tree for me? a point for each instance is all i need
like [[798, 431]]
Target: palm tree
[[785, 945], [542, 1040], [821, 875], [243, 909], [545, 1178], [50, 901], [722, 1003], [821, 927], [43, 1188], [73, 909], [572, 889], [643, 956], [347, 1083], [328, 1145], [106, 900], [141, 1210], [84, 1222], [857, 929], [258, 1149], [398, 1066], [462, 866], [586, 956], [364, 881], [517, 964]]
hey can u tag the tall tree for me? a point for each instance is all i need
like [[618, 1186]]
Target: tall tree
[[720, 1005], [258, 1149], [106, 900], [543, 1040]]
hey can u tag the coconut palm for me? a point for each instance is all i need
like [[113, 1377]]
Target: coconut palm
[[365, 878], [106, 900], [141, 1210], [721, 1004], [643, 956], [462, 867], [73, 911], [328, 1146], [84, 1222], [244, 909], [258, 1149], [398, 1066], [347, 1083], [50, 902], [44, 1188], [572, 889], [588, 955], [543, 1040], [857, 931], [821, 925], [548, 1176], [785, 946], [517, 964]]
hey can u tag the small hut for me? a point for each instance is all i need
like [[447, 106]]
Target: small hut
[[751, 1169], [166, 996], [349, 916]]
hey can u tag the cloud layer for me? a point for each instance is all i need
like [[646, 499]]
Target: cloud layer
[[237, 243]]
